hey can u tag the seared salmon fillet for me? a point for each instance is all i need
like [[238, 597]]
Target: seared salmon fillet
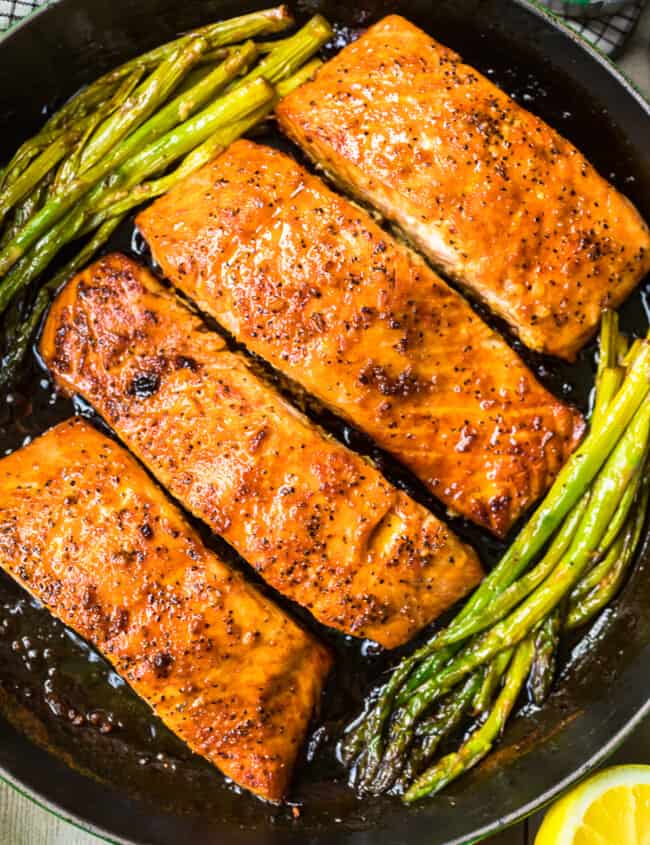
[[319, 523], [493, 196], [85, 530], [310, 283]]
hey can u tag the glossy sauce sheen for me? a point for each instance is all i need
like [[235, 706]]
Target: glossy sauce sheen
[[84, 530], [312, 284], [88, 717], [491, 194], [316, 521]]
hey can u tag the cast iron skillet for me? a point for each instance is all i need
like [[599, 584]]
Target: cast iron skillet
[[127, 777]]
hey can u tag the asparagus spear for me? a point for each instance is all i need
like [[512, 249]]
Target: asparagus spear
[[121, 201], [607, 352], [140, 106], [621, 514], [435, 726], [589, 605], [592, 578], [632, 352], [610, 545], [220, 34], [613, 348], [158, 88], [71, 165], [61, 148], [609, 486], [304, 74], [485, 694], [444, 722], [291, 54], [542, 671], [26, 209], [281, 62], [479, 744], [154, 158], [25, 184], [609, 375]]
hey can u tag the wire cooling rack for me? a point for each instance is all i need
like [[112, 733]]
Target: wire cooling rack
[[13, 10], [609, 33]]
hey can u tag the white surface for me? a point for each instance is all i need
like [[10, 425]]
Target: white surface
[[23, 823]]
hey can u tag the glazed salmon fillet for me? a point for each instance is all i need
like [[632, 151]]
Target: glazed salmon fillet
[[85, 530], [492, 195], [309, 282], [317, 522]]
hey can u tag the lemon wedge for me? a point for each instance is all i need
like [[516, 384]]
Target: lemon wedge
[[610, 808]]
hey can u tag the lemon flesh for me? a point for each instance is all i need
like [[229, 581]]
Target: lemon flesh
[[610, 808]]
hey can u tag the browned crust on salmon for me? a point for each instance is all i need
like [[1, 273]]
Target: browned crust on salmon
[[312, 284], [489, 192], [85, 530], [316, 521]]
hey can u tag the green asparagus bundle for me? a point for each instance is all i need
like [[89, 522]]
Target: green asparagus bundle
[[566, 564], [126, 139]]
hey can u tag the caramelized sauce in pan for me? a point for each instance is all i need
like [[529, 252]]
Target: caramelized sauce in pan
[[89, 715]]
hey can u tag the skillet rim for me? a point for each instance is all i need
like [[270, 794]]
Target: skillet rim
[[55, 807]]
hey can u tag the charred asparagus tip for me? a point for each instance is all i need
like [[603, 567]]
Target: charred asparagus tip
[[474, 749]]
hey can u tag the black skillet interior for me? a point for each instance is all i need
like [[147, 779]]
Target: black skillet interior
[[129, 777]]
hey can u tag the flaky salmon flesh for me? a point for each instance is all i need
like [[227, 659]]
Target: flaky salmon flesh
[[86, 531], [311, 283], [317, 522], [495, 197]]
